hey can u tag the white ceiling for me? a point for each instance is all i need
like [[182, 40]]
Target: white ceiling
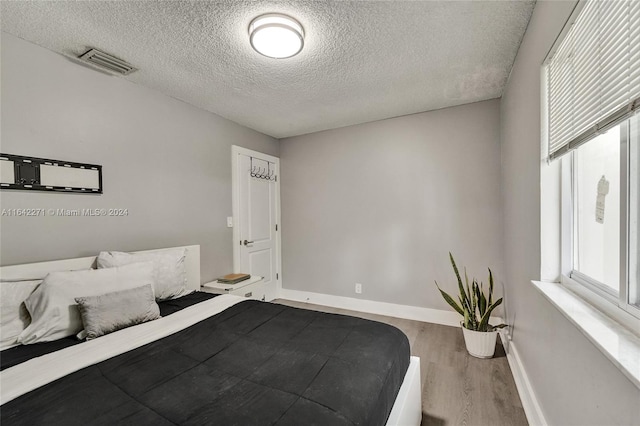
[[362, 60]]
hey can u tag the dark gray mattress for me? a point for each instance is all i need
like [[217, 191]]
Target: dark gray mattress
[[255, 363]]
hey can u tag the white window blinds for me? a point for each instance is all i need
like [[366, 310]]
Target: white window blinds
[[593, 78]]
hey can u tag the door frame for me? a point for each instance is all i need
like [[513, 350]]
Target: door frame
[[235, 197]]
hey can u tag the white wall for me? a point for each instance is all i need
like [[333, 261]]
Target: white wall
[[383, 203], [167, 162], [573, 381]]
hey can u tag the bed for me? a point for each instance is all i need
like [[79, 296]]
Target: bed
[[213, 360]]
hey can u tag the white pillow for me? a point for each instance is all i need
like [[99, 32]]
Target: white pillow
[[170, 274], [52, 306], [14, 315]]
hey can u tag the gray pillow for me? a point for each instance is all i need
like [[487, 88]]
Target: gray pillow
[[110, 312]]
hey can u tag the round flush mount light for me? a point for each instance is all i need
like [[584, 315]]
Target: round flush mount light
[[276, 36]]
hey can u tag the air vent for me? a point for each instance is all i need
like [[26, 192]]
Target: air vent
[[107, 62]]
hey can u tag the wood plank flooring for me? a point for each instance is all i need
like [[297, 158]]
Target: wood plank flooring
[[457, 389]]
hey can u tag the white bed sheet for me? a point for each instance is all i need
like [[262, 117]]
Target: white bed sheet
[[36, 372]]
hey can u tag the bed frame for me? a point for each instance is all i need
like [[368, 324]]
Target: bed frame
[[37, 271], [406, 410]]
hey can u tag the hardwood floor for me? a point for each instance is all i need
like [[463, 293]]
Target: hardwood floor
[[457, 389]]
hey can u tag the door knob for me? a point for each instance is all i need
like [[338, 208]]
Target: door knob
[[246, 243]]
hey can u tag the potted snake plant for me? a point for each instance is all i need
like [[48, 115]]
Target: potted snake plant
[[475, 307]]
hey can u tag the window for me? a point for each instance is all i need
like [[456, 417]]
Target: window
[[591, 99], [596, 210], [634, 213], [604, 201]]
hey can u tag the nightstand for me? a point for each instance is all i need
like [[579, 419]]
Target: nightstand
[[253, 288]]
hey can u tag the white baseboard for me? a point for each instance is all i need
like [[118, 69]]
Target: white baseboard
[[416, 313], [532, 409]]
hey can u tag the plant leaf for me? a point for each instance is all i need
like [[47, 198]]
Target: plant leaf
[[474, 302], [463, 295], [484, 322], [450, 301], [482, 303], [468, 292], [474, 294], [461, 302], [490, 286]]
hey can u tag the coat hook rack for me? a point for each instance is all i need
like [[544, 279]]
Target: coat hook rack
[[260, 173]]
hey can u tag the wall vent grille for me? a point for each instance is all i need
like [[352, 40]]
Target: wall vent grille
[[107, 62]]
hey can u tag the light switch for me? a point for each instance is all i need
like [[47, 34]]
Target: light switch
[[229, 222]]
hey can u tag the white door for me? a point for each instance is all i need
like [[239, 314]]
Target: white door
[[256, 217]]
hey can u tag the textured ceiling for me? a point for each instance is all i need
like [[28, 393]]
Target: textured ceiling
[[362, 60]]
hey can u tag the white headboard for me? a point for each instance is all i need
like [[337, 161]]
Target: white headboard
[[35, 271]]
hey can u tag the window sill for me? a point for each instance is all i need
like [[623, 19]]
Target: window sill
[[614, 340]]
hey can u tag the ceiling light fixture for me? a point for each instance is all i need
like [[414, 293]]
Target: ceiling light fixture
[[276, 36]]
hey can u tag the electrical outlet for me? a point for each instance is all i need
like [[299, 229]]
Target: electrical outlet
[[229, 222], [358, 288]]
